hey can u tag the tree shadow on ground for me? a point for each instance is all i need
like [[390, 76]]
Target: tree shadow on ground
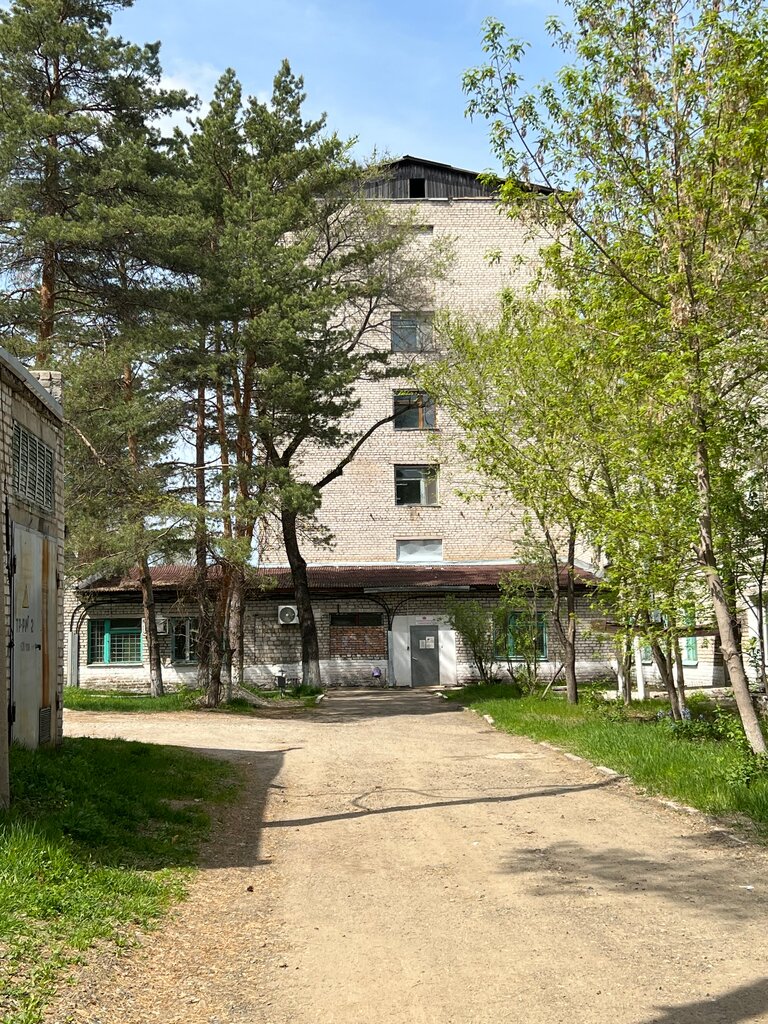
[[746, 1003], [720, 887], [431, 804], [347, 707]]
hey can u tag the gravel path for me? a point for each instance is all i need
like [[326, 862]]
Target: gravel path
[[410, 864]]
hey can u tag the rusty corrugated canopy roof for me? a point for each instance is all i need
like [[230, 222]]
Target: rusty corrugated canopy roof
[[335, 578]]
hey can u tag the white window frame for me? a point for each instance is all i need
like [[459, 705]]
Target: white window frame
[[427, 477], [188, 624]]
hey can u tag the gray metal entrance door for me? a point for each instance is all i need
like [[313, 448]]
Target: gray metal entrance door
[[425, 656]]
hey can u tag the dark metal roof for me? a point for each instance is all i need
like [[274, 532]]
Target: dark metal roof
[[335, 578], [407, 158]]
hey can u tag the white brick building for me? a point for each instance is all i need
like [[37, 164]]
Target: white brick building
[[404, 535]]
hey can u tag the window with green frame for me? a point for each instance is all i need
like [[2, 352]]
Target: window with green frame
[[512, 644], [691, 651], [114, 642]]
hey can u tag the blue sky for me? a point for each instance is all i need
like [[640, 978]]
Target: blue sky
[[387, 73]]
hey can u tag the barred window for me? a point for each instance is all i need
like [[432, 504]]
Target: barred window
[[114, 642], [32, 468]]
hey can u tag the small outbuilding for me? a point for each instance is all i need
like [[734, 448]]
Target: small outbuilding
[[31, 555]]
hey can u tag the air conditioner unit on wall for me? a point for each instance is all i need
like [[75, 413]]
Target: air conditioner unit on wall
[[287, 614]]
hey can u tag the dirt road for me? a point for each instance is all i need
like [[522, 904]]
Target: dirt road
[[410, 864]]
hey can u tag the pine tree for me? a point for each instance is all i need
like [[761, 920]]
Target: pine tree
[[301, 272], [76, 113]]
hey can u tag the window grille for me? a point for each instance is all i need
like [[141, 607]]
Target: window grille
[[114, 641], [32, 468]]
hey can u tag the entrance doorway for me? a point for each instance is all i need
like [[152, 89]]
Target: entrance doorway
[[425, 656]]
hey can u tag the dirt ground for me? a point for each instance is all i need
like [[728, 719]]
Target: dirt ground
[[408, 863]]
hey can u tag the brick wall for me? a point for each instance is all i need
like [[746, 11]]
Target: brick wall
[[350, 654], [359, 508], [357, 642]]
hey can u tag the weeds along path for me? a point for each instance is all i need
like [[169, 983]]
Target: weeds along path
[[395, 860]]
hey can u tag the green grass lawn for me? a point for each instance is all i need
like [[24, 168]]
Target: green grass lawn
[[99, 841], [703, 773], [98, 700]]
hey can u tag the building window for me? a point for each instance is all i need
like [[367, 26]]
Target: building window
[[415, 485], [356, 619], [32, 468], [521, 637], [646, 654], [691, 651], [411, 332], [114, 642], [690, 643], [419, 550], [414, 410], [184, 641]]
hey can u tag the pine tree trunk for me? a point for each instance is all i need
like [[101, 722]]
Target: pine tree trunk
[[236, 629], [48, 282], [226, 641], [47, 306], [761, 626], [204, 624], [310, 648], [213, 690], [150, 629]]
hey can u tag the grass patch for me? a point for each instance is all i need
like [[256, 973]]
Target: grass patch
[[183, 700], [704, 772], [98, 842], [98, 700]]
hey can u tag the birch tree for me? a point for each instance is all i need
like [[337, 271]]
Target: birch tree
[[653, 141]]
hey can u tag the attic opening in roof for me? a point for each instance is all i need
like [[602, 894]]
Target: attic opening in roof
[[413, 178]]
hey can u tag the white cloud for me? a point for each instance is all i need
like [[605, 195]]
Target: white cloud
[[198, 80]]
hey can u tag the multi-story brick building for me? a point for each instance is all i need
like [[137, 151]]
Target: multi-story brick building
[[404, 534]]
